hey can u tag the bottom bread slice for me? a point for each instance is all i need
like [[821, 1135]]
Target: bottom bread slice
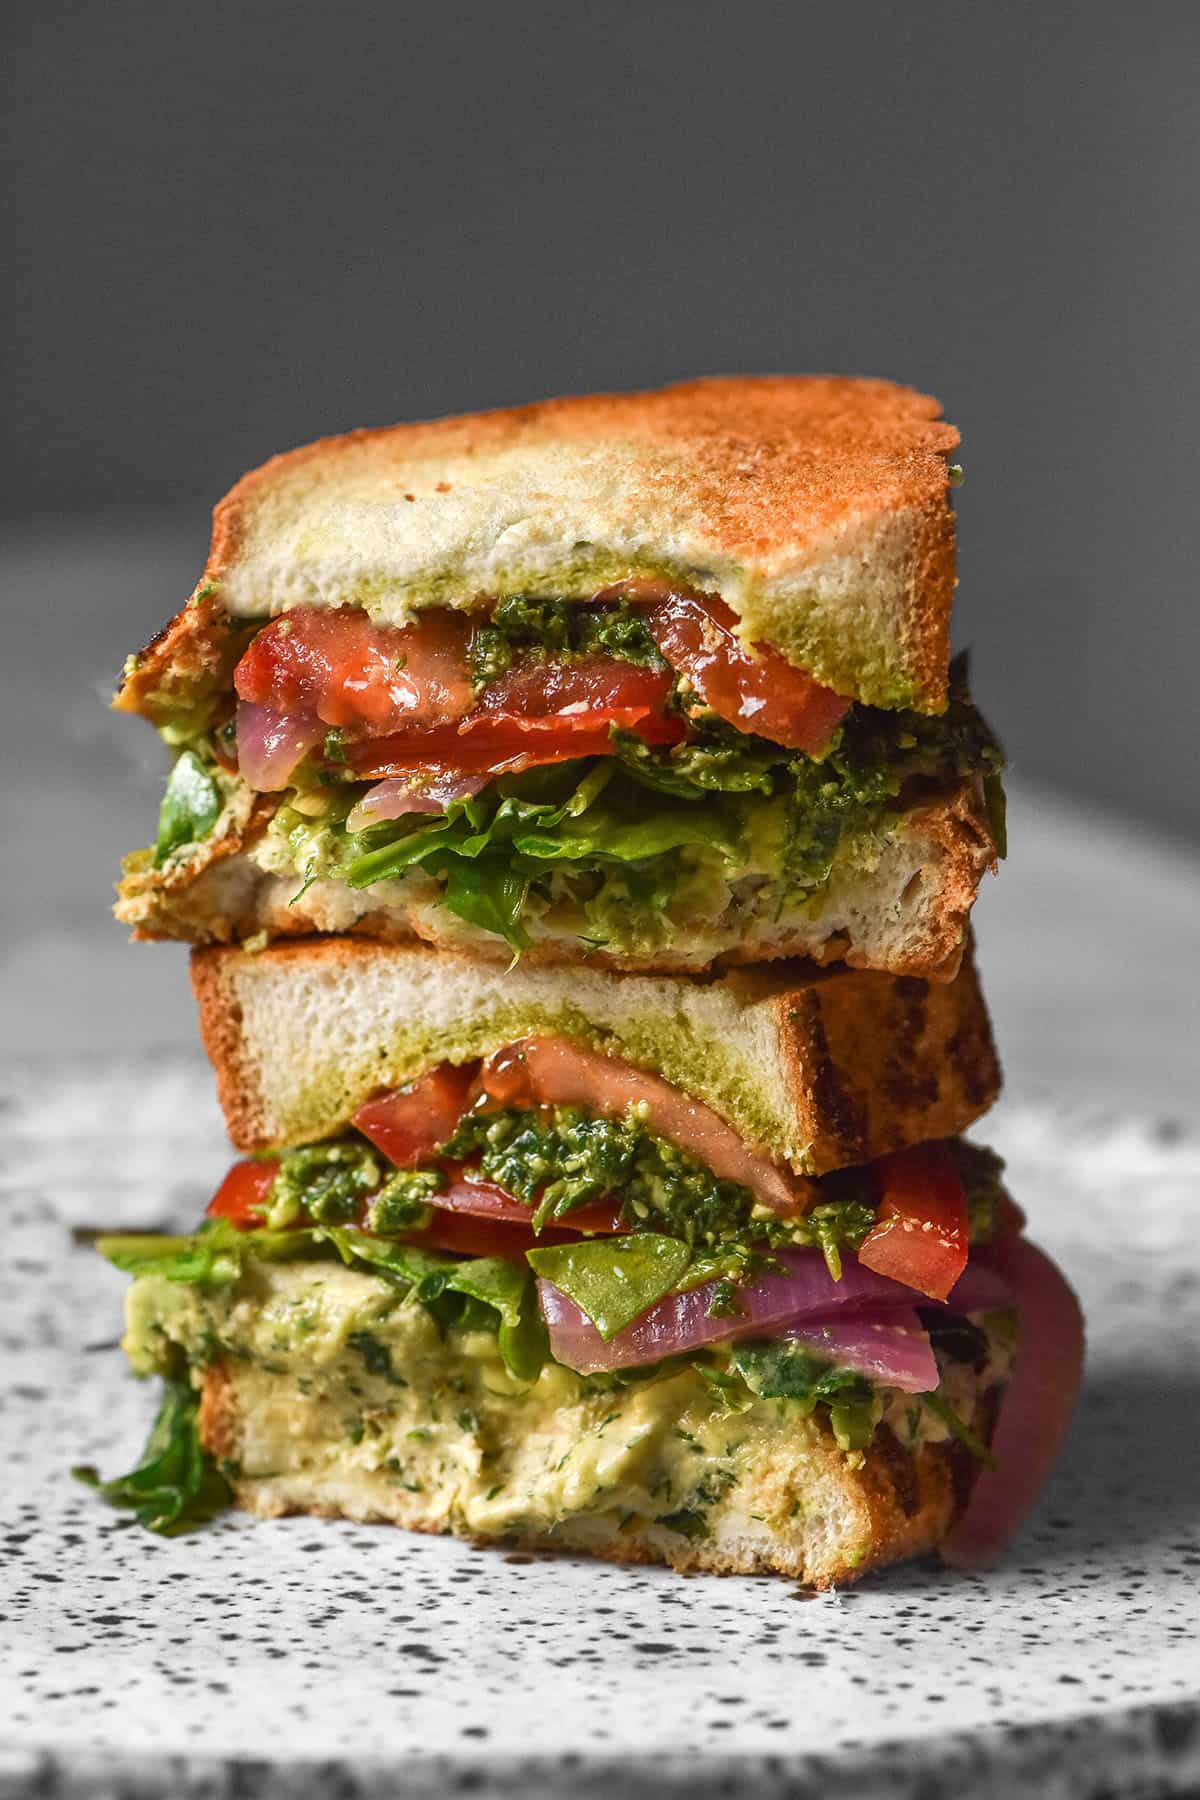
[[898, 899], [324, 1392]]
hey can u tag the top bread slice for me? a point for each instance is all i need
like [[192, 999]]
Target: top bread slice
[[816, 506], [821, 1069]]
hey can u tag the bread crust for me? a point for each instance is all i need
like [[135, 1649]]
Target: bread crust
[[817, 506], [878, 1062], [867, 1063]]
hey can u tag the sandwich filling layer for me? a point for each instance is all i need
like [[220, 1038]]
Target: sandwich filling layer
[[324, 1388], [586, 1240], [623, 775]]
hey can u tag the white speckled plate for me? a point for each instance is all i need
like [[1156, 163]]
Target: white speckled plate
[[304, 1658]]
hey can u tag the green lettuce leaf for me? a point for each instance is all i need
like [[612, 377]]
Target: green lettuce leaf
[[614, 1280], [636, 822], [782, 1371], [176, 1485], [490, 893], [504, 1291], [211, 1257], [190, 807]]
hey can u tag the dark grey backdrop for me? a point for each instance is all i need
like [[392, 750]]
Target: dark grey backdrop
[[236, 227]]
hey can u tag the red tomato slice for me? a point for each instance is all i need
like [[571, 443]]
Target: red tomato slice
[[412, 1122], [586, 688], [485, 1199], [471, 1236], [243, 1194], [920, 1233], [763, 693], [505, 747], [407, 697], [357, 675], [540, 712]]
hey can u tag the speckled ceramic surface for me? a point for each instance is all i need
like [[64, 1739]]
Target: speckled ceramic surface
[[306, 1658]]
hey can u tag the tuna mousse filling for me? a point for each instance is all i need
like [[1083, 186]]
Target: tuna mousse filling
[[623, 776], [484, 1309]]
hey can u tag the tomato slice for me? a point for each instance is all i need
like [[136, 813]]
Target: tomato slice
[[484, 1199], [469, 1235], [357, 675], [540, 712], [554, 1071], [920, 1232], [406, 698], [242, 1195], [762, 694], [478, 1218], [411, 1123], [506, 746]]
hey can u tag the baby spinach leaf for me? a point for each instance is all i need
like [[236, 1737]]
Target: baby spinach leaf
[[782, 1371], [190, 807], [483, 1292], [614, 1279], [176, 1485]]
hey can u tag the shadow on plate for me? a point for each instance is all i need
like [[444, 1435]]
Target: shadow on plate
[[1130, 1472]]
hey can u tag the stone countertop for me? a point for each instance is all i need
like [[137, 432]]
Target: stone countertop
[[303, 1658]]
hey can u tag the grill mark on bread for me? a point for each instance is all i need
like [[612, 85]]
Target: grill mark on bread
[[974, 1057], [909, 1085], [843, 1119]]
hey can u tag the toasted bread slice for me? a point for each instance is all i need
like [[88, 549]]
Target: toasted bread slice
[[336, 1401], [815, 506], [820, 1069]]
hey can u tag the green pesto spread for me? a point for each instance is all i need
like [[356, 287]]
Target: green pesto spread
[[556, 628]]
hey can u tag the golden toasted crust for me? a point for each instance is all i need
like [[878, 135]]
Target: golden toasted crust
[[185, 665], [858, 1063], [880, 1061], [178, 889], [816, 505], [218, 1417], [897, 1503]]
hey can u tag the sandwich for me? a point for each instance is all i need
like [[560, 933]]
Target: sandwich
[[638, 1266], [656, 682]]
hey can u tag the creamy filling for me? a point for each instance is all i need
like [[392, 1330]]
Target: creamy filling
[[345, 1392]]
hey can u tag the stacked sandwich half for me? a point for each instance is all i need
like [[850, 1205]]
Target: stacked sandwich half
[[578, 817]]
